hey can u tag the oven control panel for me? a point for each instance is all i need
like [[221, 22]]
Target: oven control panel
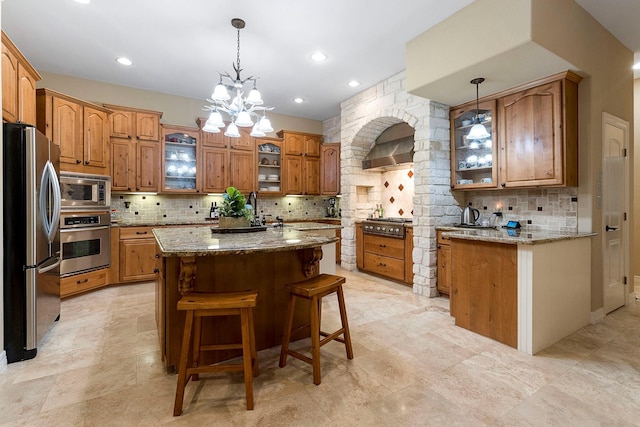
[[393, 230], [84, 221]]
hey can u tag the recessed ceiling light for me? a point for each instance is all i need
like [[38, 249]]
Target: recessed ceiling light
[[298, 100], [636, 66], [354, 83], [318, 56], [83, 1], [124, 61]]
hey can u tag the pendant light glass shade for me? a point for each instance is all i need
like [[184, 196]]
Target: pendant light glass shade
[[254, 97], [244, 120], [232, 131], [256, 132], [215, 119], [220, 93], [478, 131], [265, 124], [208, 127]]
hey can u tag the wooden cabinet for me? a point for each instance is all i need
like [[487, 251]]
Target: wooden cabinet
[[18, 85], [359, 247], [180, 167], [473, 162], [444, 264], [533, 142], [538, 130], [227, 161], [301, 162], [384, 256], [138, 255], [269, 157], [135, 149], [330, 169], [338, 235], [408, 256], [83, 282], [79, 128]]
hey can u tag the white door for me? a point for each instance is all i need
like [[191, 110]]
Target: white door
[[615, 139]]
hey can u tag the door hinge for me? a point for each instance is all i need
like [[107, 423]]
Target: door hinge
[[625, 216], [625, 280], [624, 152]]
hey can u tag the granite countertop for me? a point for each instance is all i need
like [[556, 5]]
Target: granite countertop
[[200, 241], [514, 237], [163, 223], [307, 226]]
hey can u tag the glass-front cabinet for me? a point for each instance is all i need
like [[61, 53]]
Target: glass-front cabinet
[[179, 160], [269, 165], [473, 160]]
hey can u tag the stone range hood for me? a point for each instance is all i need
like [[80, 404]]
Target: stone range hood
[[394, 148]]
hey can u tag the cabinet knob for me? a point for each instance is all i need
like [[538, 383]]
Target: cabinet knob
[[157, 256], [155, 270], [78, 161], [86, 162], [129, 136], [504, 184], [128, 188]]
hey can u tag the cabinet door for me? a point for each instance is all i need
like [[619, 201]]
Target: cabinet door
[[214, 139], [214, 167], [359, 247], [67, 131], [122, 155], [83, 282], [96, 137], [137, 259], [148, 126], [147, 166], [26, 96], [531, 123], [242, 170], [330, 167], [312, 145], [312, 175], [9, 85], [444, 269], [293, 144], [122, 124], [245, 142], [292, 170]]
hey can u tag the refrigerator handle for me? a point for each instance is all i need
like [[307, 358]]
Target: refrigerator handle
[[49, 181]]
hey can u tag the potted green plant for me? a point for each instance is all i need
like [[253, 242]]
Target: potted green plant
[[234, 212]]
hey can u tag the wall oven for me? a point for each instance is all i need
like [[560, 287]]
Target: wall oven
[[85, 242], [85, 192]]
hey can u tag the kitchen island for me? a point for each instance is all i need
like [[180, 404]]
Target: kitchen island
[[194, 259], [524, 289]]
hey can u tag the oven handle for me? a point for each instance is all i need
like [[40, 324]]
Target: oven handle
[[48, 265], [69, 230]]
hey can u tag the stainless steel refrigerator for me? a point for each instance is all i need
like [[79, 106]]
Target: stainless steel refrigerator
[[31, 218]]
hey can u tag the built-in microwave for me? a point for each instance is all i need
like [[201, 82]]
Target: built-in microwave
[[81, 191]]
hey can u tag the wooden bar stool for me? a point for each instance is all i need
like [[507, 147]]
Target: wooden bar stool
[[199, 305], [313, 290]]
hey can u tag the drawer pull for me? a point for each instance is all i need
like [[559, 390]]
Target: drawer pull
[[382, 245], [80, 282], [382, 264], [141, 232]]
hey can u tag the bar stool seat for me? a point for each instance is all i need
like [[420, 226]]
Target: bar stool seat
[[199, 305], [313, 290]]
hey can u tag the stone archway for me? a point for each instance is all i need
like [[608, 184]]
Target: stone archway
[[363, 118]]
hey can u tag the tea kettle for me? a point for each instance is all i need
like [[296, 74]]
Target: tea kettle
[[469, 216]]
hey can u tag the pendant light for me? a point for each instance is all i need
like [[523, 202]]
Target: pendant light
[[478, 131]]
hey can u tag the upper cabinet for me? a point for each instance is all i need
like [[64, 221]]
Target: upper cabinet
[[269, 165], [79, 128], [18, 85], [539, 134], [180, 160], [330, 169], [135, 149], [301, 162], [533, 138], [472, 160]]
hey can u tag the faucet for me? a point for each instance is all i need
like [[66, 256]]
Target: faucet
[[254, 195]]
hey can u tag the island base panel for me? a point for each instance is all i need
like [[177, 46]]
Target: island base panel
[[265, 272]]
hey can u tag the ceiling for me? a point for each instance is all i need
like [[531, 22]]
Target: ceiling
[[179, 46]]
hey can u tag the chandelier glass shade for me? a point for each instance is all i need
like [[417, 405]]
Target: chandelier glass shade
[[478, 130], [242, 109]]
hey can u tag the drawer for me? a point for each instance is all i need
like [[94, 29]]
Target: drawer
[[385, 246], [385, 266], [135, 233], [443, 240], [82, 282]]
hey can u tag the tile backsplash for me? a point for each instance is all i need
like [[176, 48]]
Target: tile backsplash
[[192, 208], [397, 193]]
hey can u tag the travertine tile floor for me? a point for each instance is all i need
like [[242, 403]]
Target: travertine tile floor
[[100, 366]]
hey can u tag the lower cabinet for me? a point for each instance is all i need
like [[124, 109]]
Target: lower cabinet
[[138, 255], [444, 265], [82, 282]]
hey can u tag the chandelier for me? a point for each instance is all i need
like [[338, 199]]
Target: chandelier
[[241, 108]]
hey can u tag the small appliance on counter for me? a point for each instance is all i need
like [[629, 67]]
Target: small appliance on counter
[[331, 209], [469, 216], [32, 200]]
